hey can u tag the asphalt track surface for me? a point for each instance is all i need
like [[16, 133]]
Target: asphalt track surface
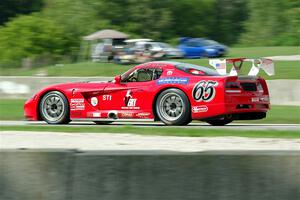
[[127, 141], [196, 125]]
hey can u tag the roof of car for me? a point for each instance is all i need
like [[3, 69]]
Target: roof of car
[[187, 66], [138, 40]]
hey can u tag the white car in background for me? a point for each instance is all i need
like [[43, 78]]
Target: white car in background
[[145, 45], [170, 51]]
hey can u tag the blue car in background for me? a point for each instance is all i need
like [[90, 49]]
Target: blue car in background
[[201, 47]]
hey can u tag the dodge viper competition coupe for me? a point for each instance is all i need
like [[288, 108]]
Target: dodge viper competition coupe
[[172, 92]]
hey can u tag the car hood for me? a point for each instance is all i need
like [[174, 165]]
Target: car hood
[[80, 84]]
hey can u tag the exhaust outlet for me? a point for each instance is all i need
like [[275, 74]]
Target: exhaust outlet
[[113, 115]]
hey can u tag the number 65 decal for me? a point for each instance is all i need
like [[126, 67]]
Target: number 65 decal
[[205, 91]]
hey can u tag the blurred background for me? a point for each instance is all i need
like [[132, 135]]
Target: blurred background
[[44, 42], [38, 33]]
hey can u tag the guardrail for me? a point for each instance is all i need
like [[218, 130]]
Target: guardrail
[[149, 175], [282, 92]]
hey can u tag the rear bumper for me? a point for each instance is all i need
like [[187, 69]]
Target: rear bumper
[[246, 111], [246, 107], [237, 110]]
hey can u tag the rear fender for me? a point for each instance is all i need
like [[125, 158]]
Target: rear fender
[[163, 89]]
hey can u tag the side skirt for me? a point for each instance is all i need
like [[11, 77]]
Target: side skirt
[[112, 120]]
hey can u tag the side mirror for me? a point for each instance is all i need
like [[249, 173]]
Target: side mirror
[[118, 79]]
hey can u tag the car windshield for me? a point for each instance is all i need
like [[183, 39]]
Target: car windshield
[[125, 75], [141, 75], [209, 42]]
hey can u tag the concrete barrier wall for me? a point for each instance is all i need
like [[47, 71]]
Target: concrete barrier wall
[[35, 175], [149, 175], [282, 92], [26, 86]]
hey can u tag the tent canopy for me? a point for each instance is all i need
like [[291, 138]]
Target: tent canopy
[[106, 34]]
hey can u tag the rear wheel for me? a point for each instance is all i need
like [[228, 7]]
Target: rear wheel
[[173, 107], [54, 108]]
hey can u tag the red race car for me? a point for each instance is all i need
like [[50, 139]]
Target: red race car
[[172, 92]]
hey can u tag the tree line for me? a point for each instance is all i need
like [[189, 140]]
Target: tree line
[[53, 29]]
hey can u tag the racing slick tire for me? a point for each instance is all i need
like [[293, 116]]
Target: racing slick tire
[[219, 122], [102, 122], [173, 107], [54, 108]]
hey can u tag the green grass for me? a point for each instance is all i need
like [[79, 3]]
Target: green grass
[[12, 109], [165, 131], [282, 114], [254, 52], [77, 69], [284, 69]]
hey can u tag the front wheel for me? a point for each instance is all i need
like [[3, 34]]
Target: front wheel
[[173, 107], [54, 108]]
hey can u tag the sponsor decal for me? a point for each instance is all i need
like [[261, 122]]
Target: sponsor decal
[[264, 99], [169, 73], [130, 103], [77, 104], [204, 91], [173, 80], [255, 99], [96, 114], [258, 99], [94, 101], [126, 115], [143, 115], [130, 107], [127, 97], [198, 109], [106, 97]]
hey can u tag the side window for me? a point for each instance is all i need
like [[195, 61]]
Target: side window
[[157, 73], [189, 43], [192, 43], [144, 75], [148, 47]]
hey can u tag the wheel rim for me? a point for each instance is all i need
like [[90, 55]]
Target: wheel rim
[[53, 107], [171, 106]]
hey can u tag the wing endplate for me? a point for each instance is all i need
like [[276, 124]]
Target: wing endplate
[[265, 64]]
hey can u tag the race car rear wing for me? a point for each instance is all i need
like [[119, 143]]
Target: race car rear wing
[[220, 65]]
